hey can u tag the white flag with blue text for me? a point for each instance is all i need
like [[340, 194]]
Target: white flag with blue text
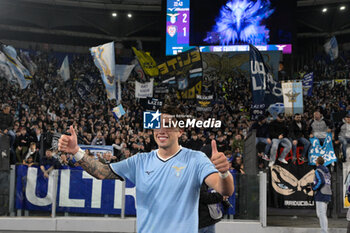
[[326, 150], [64, 70], [105, 61]]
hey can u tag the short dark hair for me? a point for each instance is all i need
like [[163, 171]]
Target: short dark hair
[[320, 160], [170, 109]]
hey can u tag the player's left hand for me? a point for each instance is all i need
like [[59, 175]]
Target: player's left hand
[[219, 159]]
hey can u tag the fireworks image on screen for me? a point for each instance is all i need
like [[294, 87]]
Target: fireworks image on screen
[[241, 22]]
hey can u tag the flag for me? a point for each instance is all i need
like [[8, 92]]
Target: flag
[[326, 150], [27, 62], [331, 48], [85, 88], [144, 90], [105, 61], [292, 97], [122, 72], [64, 70], [275, 109], [118, 111], [18, 71], [5, 69], [266, 91], [185, 70], [148, 64], [204, 103], [308, 82]]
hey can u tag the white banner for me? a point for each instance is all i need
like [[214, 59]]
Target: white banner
[[144, 90]]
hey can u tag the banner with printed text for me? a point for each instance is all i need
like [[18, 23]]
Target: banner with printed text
[[308, 82], [326, 150], [265, 89], [77, 192], [186, 70], [289, 184], [144, 90]]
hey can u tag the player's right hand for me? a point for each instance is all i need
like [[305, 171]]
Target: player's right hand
[[68, 143]]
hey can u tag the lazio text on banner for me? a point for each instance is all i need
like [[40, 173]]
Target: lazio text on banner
[[326, 150], [105, 61], [77, 192], [265, 89], [148, 64], [292, 97]]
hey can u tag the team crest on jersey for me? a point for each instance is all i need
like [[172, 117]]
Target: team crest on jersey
[[178, 170], [172, 30]]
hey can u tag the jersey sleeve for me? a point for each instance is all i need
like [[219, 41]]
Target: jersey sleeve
[[205, 168], [126, 168]]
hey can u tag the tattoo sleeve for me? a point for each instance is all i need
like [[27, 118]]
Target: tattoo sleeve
[[96, 168]]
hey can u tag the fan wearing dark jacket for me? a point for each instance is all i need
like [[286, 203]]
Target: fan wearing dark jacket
[[298, 134]]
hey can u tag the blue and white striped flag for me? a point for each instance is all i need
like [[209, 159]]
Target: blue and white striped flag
[[326, 150], [118, 111], [64, 70], [105, 61]]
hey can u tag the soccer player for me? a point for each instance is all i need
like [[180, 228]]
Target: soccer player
[[167, 180]]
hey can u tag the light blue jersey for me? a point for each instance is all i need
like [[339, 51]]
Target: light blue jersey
[[167, 192]]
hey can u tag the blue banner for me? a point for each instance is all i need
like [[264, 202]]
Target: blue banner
[[326, 150], [308, 82], [265, 89], [77, 192]]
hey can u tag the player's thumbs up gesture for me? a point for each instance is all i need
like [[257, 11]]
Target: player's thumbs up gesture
[[68, 143], [219, 159]]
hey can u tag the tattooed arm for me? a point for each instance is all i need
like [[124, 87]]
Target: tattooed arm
[[97, 169], [68, 144]]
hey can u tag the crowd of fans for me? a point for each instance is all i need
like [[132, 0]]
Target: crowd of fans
[[49, 106]]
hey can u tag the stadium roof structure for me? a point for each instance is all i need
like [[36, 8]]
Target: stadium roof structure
[[90, 22]]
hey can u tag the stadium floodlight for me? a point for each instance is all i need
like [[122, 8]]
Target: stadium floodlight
[[129, 15], [342, 8], [324, 10], [114, 14]]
